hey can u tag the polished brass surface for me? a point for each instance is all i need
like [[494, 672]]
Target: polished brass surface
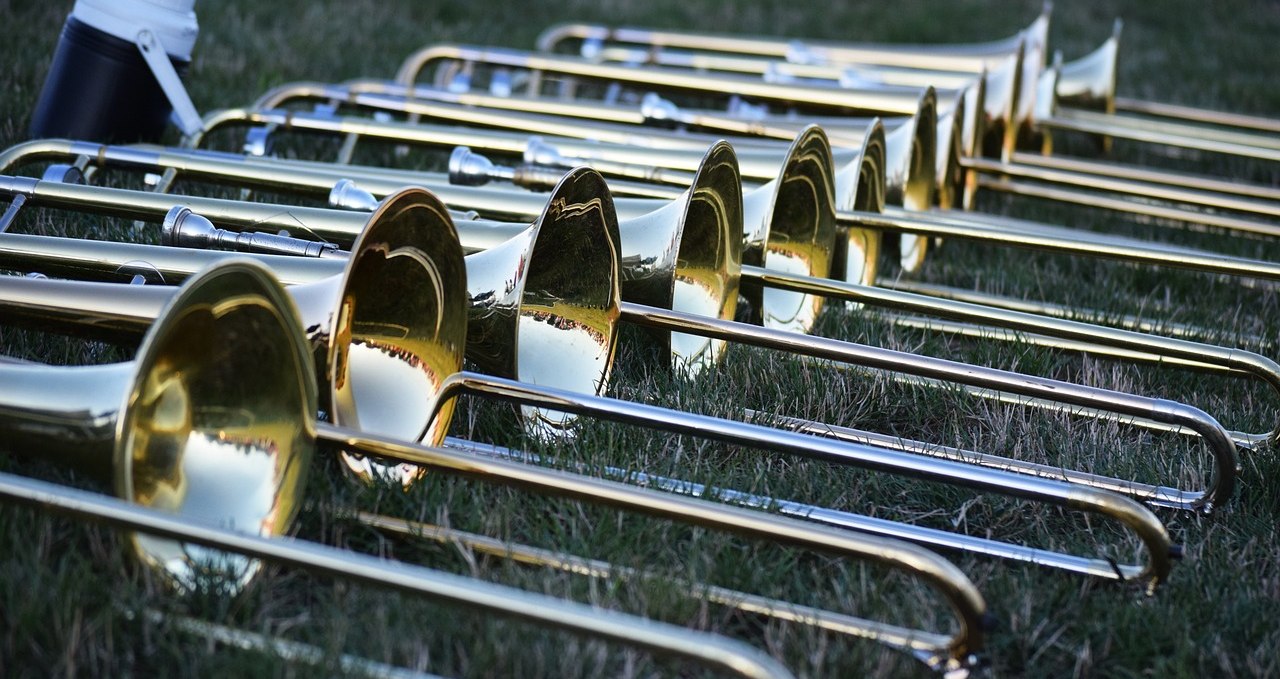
[[996, 89], [953, 653], [717, 192], [1224, 455], [383, 326], [1100, 568], [830, 621], [939, 574], [902, 100], [523, 294], [1083, 86], [173, 431], [544, 301], [938, 651], [392, 328], [1070, 96], [69, 301], [1097, 340], [1184, 199], [1013, 62], [971, 58], [910, 144], [1084, 100], [730, 656]]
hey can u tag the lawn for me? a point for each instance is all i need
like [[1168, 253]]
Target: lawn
[[72, 603]]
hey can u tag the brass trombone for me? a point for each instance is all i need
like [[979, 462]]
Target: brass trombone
[[1064, 334], [1083, 98], [1189, 199], [937, 650], [222, 381], [1181, 189], [711, 203], [80, 307], [624, 162], [1070, 335], [70, 305], [855, 185], [1184, 197]]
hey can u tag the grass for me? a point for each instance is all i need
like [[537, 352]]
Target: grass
[[69, 597]]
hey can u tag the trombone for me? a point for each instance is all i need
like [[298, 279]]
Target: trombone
[[1188, 199], [807, 96], [1068, 334], [717, 204], [77, 305], [80, 302], [1082, 99], [855, 184], [222, 381]]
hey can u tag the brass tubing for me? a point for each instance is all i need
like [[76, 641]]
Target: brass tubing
[[1142, 174], [1086, 244], [1094, 316], [877, 101], [545, 558], [731, 656], [602, 122], [927, 225], [938, 573], [1225, 455], [1130, 187], [1102, 125], [849, 520], [1193, 220], [1200, 115], [79, 305], [1159, 410], [1203, 192], [1092, 338], [971, 58], [1167, 133]]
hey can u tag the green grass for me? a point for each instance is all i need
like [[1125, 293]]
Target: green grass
[[69, 595]]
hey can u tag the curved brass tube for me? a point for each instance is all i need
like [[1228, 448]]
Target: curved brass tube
[[972, 57], [1084, 100], [43, 299], [599, 408], [72, 305], [876, 101], [159, 425], [1084, 86], [1024, 53], [1022, 235], [1182, 198], [1224, 455], [1070, 95], [731, 656], [996, 90], [225, 344]]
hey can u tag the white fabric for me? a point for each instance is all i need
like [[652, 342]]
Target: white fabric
[[173, 22]]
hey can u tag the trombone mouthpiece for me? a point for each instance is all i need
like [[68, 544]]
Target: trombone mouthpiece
[[183, 228], [468, 168], [654, 107], [539, 152], [346, 194]]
